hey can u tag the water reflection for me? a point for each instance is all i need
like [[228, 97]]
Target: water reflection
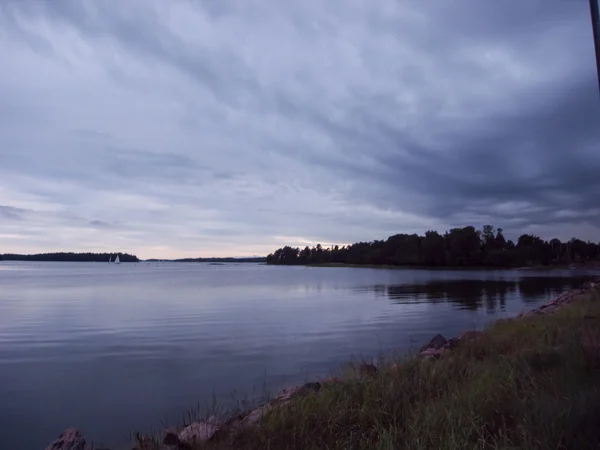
[[476, 294], [142, 343]]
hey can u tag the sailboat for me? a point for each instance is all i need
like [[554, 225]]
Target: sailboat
[[109, 257], [117, 261]]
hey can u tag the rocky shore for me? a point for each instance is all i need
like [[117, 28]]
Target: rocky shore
[[215, 430]]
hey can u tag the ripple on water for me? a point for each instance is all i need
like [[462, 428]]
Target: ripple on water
[[139, 342]]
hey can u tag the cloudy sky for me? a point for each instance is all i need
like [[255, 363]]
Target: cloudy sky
[[180, 128]]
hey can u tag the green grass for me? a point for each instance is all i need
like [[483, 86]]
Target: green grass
[[532, 383]]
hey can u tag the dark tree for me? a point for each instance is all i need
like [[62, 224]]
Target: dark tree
[[70, 257], [458, 247]]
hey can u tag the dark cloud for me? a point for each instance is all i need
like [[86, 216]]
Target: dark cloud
[[246, 125], [99, 223], [11, 213]]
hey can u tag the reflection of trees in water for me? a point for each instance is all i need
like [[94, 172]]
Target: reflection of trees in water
[[532, 287], [474, 294]]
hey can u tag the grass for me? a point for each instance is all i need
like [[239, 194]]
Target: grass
[[532, 383]]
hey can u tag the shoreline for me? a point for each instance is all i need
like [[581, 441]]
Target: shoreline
[[576, 266], [221, 433]]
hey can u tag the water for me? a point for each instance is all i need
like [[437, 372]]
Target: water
[[115, 348]]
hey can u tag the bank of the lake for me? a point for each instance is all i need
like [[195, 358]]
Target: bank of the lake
[[573, 266], [532, 381], [528, 382]]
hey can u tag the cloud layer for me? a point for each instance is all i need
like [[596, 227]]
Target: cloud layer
[[232, 128]]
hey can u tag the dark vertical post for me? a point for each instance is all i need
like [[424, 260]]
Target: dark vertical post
[[595, 12]]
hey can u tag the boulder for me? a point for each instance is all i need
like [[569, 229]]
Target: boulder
[[367, 369], [70, 439], [254, 416], [229, 427], [171, 435], [429, 353], [197, 432], [307, 388], [438, 341], [201, 431], [549, 308], [331, 380], [452, 343], [442, 351]]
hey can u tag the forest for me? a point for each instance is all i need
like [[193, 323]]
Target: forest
[[458, 247], [69, 257]]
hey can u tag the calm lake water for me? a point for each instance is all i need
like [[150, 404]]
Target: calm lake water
[[114, 348]]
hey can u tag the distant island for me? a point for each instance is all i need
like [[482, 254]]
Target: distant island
[[123, 257], [69, 257], [458, 247], [254, 259]]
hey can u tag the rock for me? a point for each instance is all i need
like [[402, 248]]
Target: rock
[[549, 308], [171, 436], [197, 432], [470, 334], [70, 439], [568, 297], [367, 369], [442, 351], [287, 394], [438, 341], [331, 380], [429, 353], [452, 343], [229, 427], [533, 312], [307, 388], [254, 416], [212, 429]]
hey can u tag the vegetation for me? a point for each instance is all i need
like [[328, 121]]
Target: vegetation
[[70, 257], [459, 247], [531, 383]]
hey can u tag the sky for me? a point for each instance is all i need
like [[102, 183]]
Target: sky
[[231, 128]]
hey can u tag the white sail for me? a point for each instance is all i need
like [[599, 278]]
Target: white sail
[[117, 261], [109, 259]]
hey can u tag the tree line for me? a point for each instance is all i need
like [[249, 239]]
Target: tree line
[[252, 259], [69, 257], [458, 247]]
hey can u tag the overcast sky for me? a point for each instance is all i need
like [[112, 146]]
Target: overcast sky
[[233, 127]]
